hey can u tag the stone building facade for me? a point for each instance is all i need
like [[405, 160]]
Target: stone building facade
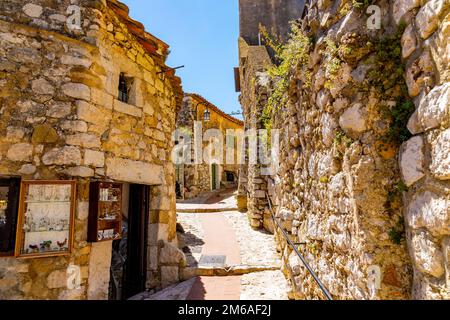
[[203, 176], [60, 118], [362, 187]]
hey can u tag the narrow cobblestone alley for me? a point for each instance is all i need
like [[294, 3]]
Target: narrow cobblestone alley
[[235, 261]]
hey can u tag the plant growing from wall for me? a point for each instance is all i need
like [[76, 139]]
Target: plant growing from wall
[[333, 62], [292, 55], [397, 233]]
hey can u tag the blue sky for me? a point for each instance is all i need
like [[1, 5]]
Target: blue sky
[[202, 35]]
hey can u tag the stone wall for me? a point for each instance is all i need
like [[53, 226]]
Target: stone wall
[[363, 198], [351, 176], [424, 159], [254, 61], [60, 119]]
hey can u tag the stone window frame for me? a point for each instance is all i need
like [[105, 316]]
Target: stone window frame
[[126, 83]]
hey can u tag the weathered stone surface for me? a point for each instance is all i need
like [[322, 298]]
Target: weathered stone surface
[[427, 255], [27, 169], [59, 110], [127, 109], [171, 255], [85, 140], [77, 91], [169, 276], [94, 158], [80, 171], [75, 126], [44, 134], [20, 152], [401, 7], [414, 126], [71, 60], [353, 119], [57, 279], [99, 270], [157, 232], [134, 171], [32, 10], [427, 18], [409, 42], [42, 86], [435, 108], [431, 211], [440, 156], [412, 160], [62, 156]]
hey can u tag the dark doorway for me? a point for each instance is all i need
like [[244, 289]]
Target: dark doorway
[[9, 203], [130, 253]]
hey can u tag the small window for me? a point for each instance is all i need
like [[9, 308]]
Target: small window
[[9, 203], [125, 84]]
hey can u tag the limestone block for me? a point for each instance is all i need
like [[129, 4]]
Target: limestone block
[[99, 270], [169, 276], [85, 140], [429, 210], [102, 98], [58, 17], [427, 18], [15, 134], [412, 160], [414, 125], [152, 256], [427, 255], [80, 171], [27, 169], [134, 171], [446, 251], [171, 255], [32, 10], [440, 49], [127, 109], [77, 91], [74, 126], [82, 210], [62, 156], [20, 152], [409, 42], [435, 108], [353, 119], [351, 22], [401, 7], [419, 74], [59, 109], [75, 61], [42, 86], [359, 74], [94, 158], [158, 232], [57, 279], [440, 156], [323, 99], [44, 133]]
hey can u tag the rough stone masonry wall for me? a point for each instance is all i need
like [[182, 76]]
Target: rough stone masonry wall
[[60, 119], [425, 158], [339, 186], [254, 60]]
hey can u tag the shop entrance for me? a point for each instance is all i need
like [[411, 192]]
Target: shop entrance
[[129, 257]]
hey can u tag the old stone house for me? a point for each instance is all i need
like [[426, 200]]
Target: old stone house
[[362, 187], [204, 174], [85, 96]]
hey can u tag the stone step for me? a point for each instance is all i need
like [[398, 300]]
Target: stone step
[[206, 210], [214, 271]]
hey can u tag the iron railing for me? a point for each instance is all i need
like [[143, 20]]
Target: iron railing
[[292, 245]]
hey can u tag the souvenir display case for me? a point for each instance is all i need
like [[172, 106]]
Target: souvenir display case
[[45, 225], [105, 211]]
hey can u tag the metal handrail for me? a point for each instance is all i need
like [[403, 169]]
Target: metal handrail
[[311, 271]]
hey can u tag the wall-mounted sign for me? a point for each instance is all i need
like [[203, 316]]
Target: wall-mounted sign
[[46, 219]]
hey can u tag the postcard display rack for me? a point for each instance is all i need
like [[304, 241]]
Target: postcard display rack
[[105, 211], [46, 219]]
